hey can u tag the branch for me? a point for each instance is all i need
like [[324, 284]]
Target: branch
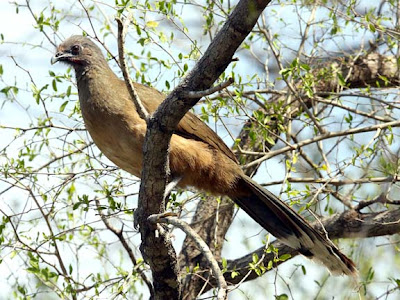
[[382, 198], [205, 250], [158, 252], [212, 90], [321, 137], [336, 182], [211, 221], [250, 150], [122, 27], [349, 224]]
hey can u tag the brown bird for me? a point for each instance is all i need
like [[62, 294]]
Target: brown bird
[[197, 154]]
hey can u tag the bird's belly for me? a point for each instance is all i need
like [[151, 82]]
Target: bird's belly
[[120, 143], [131, 163]]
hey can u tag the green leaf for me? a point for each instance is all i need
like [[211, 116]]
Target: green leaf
[[62, 107], [234, 274], [397, 282], [341, 80], [269, 140], [152, 24], [303, 269], [68, 92], [255, 258], [224, 263], [372, 27], [54, 84], [285, 257]]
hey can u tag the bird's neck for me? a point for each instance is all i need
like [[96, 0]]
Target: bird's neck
[[84, 72], [94, 75], [92, 84]]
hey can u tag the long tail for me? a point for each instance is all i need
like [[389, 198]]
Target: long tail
[[285, 224]]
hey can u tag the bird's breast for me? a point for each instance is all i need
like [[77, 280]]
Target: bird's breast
[[117, 131]]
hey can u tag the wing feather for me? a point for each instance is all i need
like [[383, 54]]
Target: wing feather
[[190, 127]]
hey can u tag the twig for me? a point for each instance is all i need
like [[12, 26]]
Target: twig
[[52, 238], [171, 185], [212, 90], [37, 22], [382, 198], [259, 262], [318, 138], [290, 85], [335, 182], [122, 26], [48, 119], [119, 234], [205, 250], [336, 103]]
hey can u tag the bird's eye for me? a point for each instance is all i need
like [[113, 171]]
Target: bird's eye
[[75, 49]]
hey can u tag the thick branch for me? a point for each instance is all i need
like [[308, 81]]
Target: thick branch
[[349, 224], [374, 69], [158, 252]]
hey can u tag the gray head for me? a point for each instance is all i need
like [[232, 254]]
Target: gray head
[[78, 51]]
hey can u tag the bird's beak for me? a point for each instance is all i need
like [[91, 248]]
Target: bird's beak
[[60, 56]]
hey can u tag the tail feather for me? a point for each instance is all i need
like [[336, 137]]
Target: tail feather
[[288, 226]]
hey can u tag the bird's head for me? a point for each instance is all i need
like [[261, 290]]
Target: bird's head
[[77, 51]]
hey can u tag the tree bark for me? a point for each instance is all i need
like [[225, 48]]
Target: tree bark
[[158, 251]]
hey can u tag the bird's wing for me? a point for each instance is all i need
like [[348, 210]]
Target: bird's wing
[[190, 127], [193, 128]]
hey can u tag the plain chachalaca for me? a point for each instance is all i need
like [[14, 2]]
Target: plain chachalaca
[[197, 154]]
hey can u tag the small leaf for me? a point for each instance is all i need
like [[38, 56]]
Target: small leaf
[[54, 84], [152, 24], [68, 93], [304, 270], [76, 205], [224, 263], [371, 27], [62, 107], [285, 257]]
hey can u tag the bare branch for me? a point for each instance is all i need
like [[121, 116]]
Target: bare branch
[[205, 250], [382, 198], [336, 182], [212, 90], [321, 137], [122, 27], [371, 115]]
